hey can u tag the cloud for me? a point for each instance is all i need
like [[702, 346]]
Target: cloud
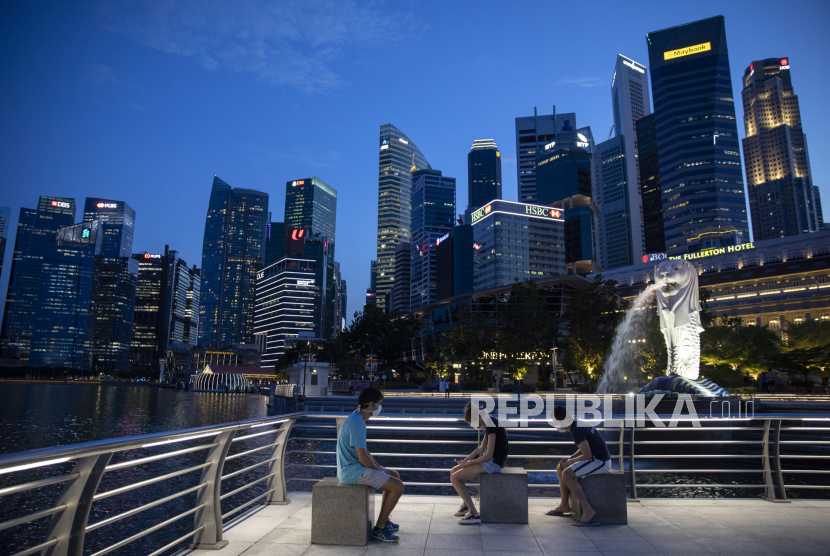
[[581, 81], [103, 75], [268, 156], [288, 43]]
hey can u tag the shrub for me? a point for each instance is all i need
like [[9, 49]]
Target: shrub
[[745, 390], [427, 387], [528, 388], [544, 386]]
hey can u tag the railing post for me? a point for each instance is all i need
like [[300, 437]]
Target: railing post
[[277, 467], [769, 488], [210, 517], [69, 526], [781, 491], [632, 470]]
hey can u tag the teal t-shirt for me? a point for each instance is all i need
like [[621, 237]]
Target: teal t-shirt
[[352, 435]]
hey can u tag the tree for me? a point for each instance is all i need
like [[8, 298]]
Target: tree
[[525, 325], [807, 349], [592, 316]]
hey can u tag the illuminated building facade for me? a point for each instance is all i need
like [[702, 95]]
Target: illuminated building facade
[[483, 173], [516, 241], [232, 253], [117, 225], [5, 215], [697, 137], [397, 159], [779, 181], [35, 239], [166, 307], [433, 216], [403, 275], [371, 291], [532, 134]]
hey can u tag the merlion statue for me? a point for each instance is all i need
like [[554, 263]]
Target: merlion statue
[[678, 305]]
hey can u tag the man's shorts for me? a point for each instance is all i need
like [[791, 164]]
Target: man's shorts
[[374, 478], [591, 467], [491, 467]]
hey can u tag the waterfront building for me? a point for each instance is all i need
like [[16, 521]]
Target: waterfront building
[[397, 159], [778, 177], [401, 290], [655, 239], [517, 242], [565, 176], [167, 292], [617, 184], [532, 134], [59, 334], [767, 283], [181, 358], [483, 173], [117, 225], [111, 312], [433, 216], [289, 303], [35, 239], [232, 252], [274, 243], [5, 215], [697, 137], [311, 205]]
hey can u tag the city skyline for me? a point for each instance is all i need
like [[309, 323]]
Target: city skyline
[[166, 181]]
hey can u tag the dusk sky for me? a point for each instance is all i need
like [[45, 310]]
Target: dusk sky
[[144, 101]]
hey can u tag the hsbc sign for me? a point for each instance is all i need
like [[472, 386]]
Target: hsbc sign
[[107, 205]]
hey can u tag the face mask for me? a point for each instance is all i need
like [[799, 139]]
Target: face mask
[[561, 429], [376, 412]]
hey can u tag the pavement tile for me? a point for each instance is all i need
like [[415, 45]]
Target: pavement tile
[[334, 550], [234, 548], [738, 546], [610, 531], [513, 529], [251, 528], [440, 528], [508, 543], [288, 536], [398, 549], [408, 540], [268, 549], [686, 545], [421, 527], [629, 545], [296, 523], [796, 548], [460, 542], [552, 546], [659, 531], [452, 552], [536, 552]]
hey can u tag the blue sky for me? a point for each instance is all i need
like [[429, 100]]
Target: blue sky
[[144, 101]]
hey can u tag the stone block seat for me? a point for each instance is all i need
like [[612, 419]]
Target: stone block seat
[[341, 514], [503, 496], [606, 494]]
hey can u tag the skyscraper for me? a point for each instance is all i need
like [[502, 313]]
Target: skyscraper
[[274, 243], [117, 225], [564, 177], [311, 204], [655, 239], [483, 174], [59, 336], [371, 291], [433, 216], [697, 137], [398, 158], [402, 289], [36, 238], [344, 298], [532, 134], [617, 172], [5, 214], [232, 252], [779, 180], [166, 292]]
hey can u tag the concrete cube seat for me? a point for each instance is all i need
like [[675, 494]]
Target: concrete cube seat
[[606, 494], [503, 496], [341, 514]]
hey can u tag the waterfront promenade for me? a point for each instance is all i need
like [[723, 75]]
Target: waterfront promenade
[[655, 526]]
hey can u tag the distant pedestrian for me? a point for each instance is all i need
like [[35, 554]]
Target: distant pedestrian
[[447, 389], [764, 385]]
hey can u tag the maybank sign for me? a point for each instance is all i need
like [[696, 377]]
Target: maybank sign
[[687, 51]]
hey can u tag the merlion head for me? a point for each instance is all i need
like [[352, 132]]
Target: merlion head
[[674, 276]]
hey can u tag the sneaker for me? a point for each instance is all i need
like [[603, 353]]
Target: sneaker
[[462, 511], [384, 535], [470, 519], [391, 527]]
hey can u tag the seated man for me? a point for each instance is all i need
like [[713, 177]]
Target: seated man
[[489, 457], [356, 466], [591, 458]]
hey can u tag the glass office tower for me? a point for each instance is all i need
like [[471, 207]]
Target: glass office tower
[[398, 158], [697, 137], [564, 176], [532, 134], [117, 221], [433, 216], [111, 312], [778, 176], [311, 205], [274, 243], [35, 239], [655, 239], [5, 214], [60, 325], [483, 173], [232, 252]]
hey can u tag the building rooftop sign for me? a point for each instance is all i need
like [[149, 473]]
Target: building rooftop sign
[[517, 209], [687, 51]]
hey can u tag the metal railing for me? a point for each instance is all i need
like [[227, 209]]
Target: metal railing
[[90, 462], [770, 455]]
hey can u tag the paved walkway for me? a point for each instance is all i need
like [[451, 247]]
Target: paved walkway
[[655, 526]]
